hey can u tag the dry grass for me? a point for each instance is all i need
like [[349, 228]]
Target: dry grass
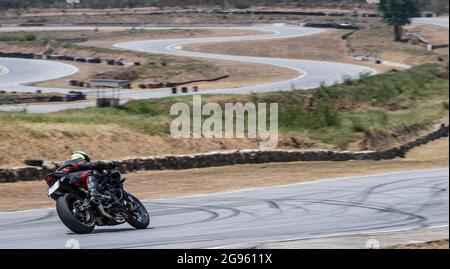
[[169, 183], [326, 46], [110, 141], [435, 34], [377, 40]]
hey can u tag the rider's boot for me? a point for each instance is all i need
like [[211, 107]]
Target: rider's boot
[[93, 187]]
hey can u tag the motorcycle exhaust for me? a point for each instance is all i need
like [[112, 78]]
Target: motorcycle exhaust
[[101, 210]]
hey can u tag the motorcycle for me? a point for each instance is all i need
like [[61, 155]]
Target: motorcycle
[[81, 213]]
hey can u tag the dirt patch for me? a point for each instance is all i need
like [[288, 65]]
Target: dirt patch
[[240, 74], [427, 238], [326, 46], [382, 140], [168, 183], [442, 244], [377, 40], [432, 33], [437, 35]]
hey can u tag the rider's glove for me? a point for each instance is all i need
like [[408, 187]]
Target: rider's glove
[[105, 166], [112, 165]]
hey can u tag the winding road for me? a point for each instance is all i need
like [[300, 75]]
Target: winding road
[[311, 73], [18, 74], [242, 219]]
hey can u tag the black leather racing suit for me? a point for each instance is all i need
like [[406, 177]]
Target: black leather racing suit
[[84, 174]]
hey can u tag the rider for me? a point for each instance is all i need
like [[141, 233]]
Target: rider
[[82, 172]]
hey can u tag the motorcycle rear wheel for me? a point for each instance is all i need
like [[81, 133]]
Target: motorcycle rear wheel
[[78, 222]]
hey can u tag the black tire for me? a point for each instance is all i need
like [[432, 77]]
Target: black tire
[[142, 212], [64, 206]]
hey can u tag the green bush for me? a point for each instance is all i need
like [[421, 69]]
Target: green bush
[[418, 81], [25, 37], [358, 126], [37, 20], [242, 4]]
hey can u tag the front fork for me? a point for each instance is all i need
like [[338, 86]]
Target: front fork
[[130, 204]]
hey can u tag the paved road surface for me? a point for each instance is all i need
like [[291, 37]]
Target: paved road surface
[[433, 21], [386, 202]]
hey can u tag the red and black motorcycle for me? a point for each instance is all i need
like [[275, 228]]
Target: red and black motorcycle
[[81, 213]]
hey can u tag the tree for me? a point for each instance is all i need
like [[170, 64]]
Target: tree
[[398, 13]]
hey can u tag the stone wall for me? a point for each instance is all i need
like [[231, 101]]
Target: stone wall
[[234, 157]]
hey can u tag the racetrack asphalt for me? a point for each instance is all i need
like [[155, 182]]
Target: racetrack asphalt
[[242, 219]]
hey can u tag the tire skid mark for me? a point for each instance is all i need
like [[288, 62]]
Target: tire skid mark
[[409, 216], [272, 204], [437, 188], [364, 196], [213, 214], [369, 191], [49, 215]]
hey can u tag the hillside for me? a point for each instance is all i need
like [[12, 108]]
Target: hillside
[[436, 5], [373, 112]]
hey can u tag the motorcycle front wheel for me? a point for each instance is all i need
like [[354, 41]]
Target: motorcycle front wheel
[[80, 222], [138, 215]]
